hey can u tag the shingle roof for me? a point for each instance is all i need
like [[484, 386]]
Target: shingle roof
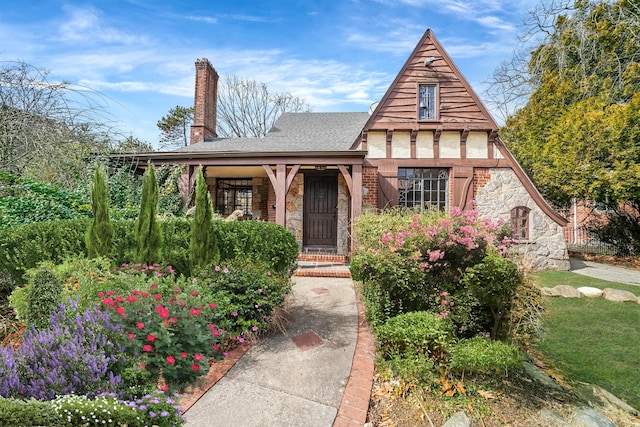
[[295, 132]]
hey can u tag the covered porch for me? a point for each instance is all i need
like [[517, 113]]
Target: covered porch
[[314, 195]]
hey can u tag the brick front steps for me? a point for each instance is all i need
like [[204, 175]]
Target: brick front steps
[[322, 265]]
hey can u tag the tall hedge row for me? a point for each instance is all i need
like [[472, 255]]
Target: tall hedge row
[[24, 247]]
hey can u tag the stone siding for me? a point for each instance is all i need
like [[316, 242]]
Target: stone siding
[[546, 248]]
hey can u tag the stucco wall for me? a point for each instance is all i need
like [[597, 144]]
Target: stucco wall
[[546, 248]]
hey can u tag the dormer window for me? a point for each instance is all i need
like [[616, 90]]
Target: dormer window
[[427, 102]]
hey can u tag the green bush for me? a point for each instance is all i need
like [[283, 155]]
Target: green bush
[[17, 412], [493, 283], [257, 241], [19, 302], [25, 247], [414, 333], [176, 238], [391, 285], [480, 355], [45, 294], [412, 368], [103, 411], [24, 201], [99, 238], [251, 292]]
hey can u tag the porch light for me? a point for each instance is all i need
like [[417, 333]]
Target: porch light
[[321, 167]]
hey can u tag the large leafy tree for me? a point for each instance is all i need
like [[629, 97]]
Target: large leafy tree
[[578, 136]]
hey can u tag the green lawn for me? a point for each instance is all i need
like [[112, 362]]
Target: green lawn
[[593, 340]]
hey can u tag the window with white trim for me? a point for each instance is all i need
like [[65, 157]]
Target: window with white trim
[[427, 102], [423, 188]]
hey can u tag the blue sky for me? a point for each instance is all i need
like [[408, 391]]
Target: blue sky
[[339, 55]]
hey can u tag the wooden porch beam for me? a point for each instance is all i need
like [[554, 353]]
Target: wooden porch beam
[[280, 183]]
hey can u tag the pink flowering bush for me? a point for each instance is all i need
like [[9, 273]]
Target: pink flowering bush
[[171, 328], [420, 268]]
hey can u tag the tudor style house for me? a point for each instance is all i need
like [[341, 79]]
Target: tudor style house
[[428, 143]]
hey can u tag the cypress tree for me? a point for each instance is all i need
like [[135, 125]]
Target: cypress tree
[[148, 236], [99, 238], [203, 249]]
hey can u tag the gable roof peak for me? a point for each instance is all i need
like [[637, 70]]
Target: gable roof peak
[[458, 104]]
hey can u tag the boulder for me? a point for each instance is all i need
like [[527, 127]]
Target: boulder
[[566, 291], [459, 419], [540, 376], [586, 416], [618, 295], [547, 292], [590, 292], [552, 418]]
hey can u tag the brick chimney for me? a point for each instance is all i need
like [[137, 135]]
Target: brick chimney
[[204, 106]]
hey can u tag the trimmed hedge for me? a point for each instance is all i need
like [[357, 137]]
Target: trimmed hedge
[[24, 247]]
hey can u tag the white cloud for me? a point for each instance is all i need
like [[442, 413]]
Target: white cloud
[[84, 25]]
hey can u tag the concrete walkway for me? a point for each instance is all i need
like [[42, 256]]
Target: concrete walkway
[[605, 272], [299, 377]]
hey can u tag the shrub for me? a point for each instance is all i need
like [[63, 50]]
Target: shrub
[[415, 333], [31, 412], [392, 284], [523, 322], [78, 353], [19, 302], [412, 269], [45, 294], [172, 327], [412, 367], [176, 236], [261, 242], [371, 226], [252, 293], [99, 236], [203, 248], [103, 411], [25, 201], [26, 246], [148, 236], [493, 283], [479, 355]]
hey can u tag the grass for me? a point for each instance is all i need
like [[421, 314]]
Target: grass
[[592, 340]]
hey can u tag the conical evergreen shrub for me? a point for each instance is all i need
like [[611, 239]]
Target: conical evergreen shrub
[[203, 249], [148, 236], [99, 237]]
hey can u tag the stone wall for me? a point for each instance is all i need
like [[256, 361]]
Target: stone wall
[[343, 216], [295, 203], [546, 248]]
